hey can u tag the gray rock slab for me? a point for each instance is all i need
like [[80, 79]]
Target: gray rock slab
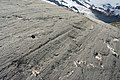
[[40, 41]]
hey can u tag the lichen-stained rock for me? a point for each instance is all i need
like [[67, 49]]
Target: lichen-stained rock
[[40, 41]]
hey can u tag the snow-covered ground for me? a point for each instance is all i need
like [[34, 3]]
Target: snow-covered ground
[[111, 7], [102, 2], [105, 10]]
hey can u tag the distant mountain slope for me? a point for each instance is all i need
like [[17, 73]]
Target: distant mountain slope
[[105, 10]]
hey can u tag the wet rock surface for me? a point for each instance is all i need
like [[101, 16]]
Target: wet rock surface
[[39, 41]]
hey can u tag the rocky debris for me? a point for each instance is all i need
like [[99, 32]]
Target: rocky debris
[[117, 24], [39, 41]]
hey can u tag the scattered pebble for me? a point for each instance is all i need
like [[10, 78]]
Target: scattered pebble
[[35, 72], [80, 63], [56, 54], [70, 74], [116, 40], [102, 66], [99, 57], [113, 51], [91, 65]]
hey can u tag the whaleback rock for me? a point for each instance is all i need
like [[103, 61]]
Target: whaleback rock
[[40, 41]]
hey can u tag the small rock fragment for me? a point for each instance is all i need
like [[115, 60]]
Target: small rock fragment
[[99, 57], [91, 65], [35, 72], [113, 51], [116, 40], [70, 74], [80, 63]]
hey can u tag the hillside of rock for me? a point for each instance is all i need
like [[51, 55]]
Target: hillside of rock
[[39, 41]]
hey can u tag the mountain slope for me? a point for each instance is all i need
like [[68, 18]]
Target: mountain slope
[[40, 41], [105, 10]]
